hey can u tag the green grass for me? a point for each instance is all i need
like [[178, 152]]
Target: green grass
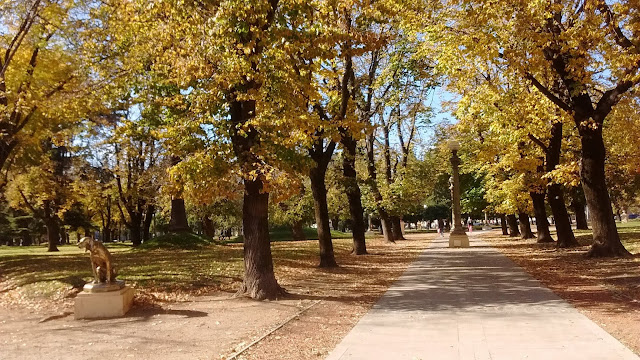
[[169, 264], [64, 249], [166, 269], [284, 234], [186, 241], [629, 235]]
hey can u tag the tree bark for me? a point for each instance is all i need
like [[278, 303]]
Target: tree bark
[[385, 221], [525, 226], [178, 221], [397, 228], [106, 234], [353, 195], [555, 194], [63, 236], [53, 234], [208, 227], [321, 210], [146, 225], [503, 224], [336, 223], [578, 207], [513, 225], [259, 279], [542, 224], [297, 230], [52, 224], [135, 227], [606, 241]]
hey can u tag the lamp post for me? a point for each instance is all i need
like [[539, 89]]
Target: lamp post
[[457, 237]]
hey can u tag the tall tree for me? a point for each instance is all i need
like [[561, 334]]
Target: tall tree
[[533, 42], [37, 68]]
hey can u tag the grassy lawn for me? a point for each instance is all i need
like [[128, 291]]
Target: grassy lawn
[[167, 271], [159, 269], [163, 266], [284, 234], [629, 235]]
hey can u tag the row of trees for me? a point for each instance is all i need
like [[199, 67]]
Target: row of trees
[[544, 89], [131, 108]]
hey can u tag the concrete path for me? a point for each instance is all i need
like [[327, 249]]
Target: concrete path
[[474, 303]]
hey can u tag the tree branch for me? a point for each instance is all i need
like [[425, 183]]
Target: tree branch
[[538, 142], [546, 92], [26, 201], [619, 36]]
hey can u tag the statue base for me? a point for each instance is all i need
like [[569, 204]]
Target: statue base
[[458, 239], [106, 304], [93, 287]]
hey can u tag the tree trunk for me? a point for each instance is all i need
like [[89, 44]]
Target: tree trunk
[[106, 234], [606, 241], [259, 279], [297, 230], [321, 209], [335, 222], [503, 224], [386, 227], [578, 207], [354, 195], [397, 228], [555, 195], [178, 221], [385, 222], [52, 224], [513, 225], [542, 224], [561, 217], [146, 225], [63, 236], [26, 238], [525, 226], [208, 227], [135, 229], [53, 233]]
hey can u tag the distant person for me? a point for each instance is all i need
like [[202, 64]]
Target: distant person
[[441, 227], [470, 224]]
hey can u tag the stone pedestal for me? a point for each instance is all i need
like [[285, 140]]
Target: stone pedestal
[[96, 305], [458, 239]]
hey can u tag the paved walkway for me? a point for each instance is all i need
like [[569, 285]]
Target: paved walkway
[[474, 303]]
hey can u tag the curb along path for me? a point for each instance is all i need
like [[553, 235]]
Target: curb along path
[[474, 303]]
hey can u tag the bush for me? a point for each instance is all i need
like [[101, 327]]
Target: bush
[[176, 241]]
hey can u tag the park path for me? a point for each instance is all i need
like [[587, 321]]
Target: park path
[[474, 303]]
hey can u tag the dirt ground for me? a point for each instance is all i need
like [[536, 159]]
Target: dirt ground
[[324, 305], [607, 291]]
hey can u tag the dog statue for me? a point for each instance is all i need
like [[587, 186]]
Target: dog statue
[[101, 261]]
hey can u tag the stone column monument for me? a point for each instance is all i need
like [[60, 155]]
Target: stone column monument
[[486, 225], [457, 237]]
